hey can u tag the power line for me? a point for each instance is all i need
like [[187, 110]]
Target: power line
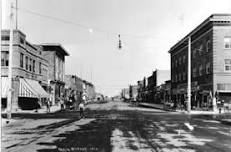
[[85, 26]]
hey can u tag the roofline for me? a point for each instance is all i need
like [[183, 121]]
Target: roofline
[[206, 21], [57, 45]]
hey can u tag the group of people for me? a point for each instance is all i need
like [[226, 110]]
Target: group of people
[[64, 103]]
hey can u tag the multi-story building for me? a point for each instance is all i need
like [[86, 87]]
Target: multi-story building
[[133, 92], [210, 62], [29, 70], [55, 55], [155, 81]]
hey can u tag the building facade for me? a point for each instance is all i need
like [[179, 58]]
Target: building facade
[[155, 81], [29, 70], [210, 63], [55, 55]]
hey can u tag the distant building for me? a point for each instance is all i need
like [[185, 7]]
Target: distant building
[[155, 81], [133, 92], [210, 63], [29, 72], [125, 94], [55, 55]]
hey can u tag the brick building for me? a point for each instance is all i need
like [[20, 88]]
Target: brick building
[[155, 81], [29, 70], [55, 55], [210, 62]]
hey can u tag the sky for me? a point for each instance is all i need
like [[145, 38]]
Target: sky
[[148, 29]]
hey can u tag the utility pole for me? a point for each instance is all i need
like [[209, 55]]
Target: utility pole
[[1, 72], [9, 98], [16, 19], [189, 75]]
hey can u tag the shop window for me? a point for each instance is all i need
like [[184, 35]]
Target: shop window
[[228, 65]]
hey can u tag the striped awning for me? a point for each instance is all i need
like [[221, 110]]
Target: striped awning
[[5, 87], [32, 89]]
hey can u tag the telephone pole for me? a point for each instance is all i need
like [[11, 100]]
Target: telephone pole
[[9, 98], [189, 75]]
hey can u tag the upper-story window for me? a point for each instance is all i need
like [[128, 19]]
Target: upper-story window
[[21, 60], [208, 46], [208, 68], [200, 49], [176, 63], [179, 60], [30, 66], [194, 72], [184, 76], [40, 67], [5, 58], [26, 63], [33, 67], [184, 58], [179, 76], [200, 70], [194, 53], [227, 42], [228, 65], [5, 38], [22, 40]]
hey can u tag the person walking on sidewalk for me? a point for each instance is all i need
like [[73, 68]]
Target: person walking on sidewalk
[[81, 109], [48, 105], [62, 103]]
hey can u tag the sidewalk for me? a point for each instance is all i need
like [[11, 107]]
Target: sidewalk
[[53, 109], [152, 105]]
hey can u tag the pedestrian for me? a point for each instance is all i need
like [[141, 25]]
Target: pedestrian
[[81, 109], [62, 103], [48, 105]]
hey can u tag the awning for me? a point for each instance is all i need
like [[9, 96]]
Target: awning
[[31, 88], [5, 87]]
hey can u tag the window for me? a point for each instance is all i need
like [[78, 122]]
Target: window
[[227, 42], [179, 60], [208, 46], [40, 68], [21, 40], [30, 65], [176, 78], [194, 53], [208, 68], [194, 72], [33, 66], [200, 49], [26, 63], [184, 59], [184, 76], [21, 60], [200, 70], [179, 77], [5, 38], [228, 65], [5, 58], [176, 63]]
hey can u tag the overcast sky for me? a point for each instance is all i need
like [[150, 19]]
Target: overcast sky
[[148, 29]]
